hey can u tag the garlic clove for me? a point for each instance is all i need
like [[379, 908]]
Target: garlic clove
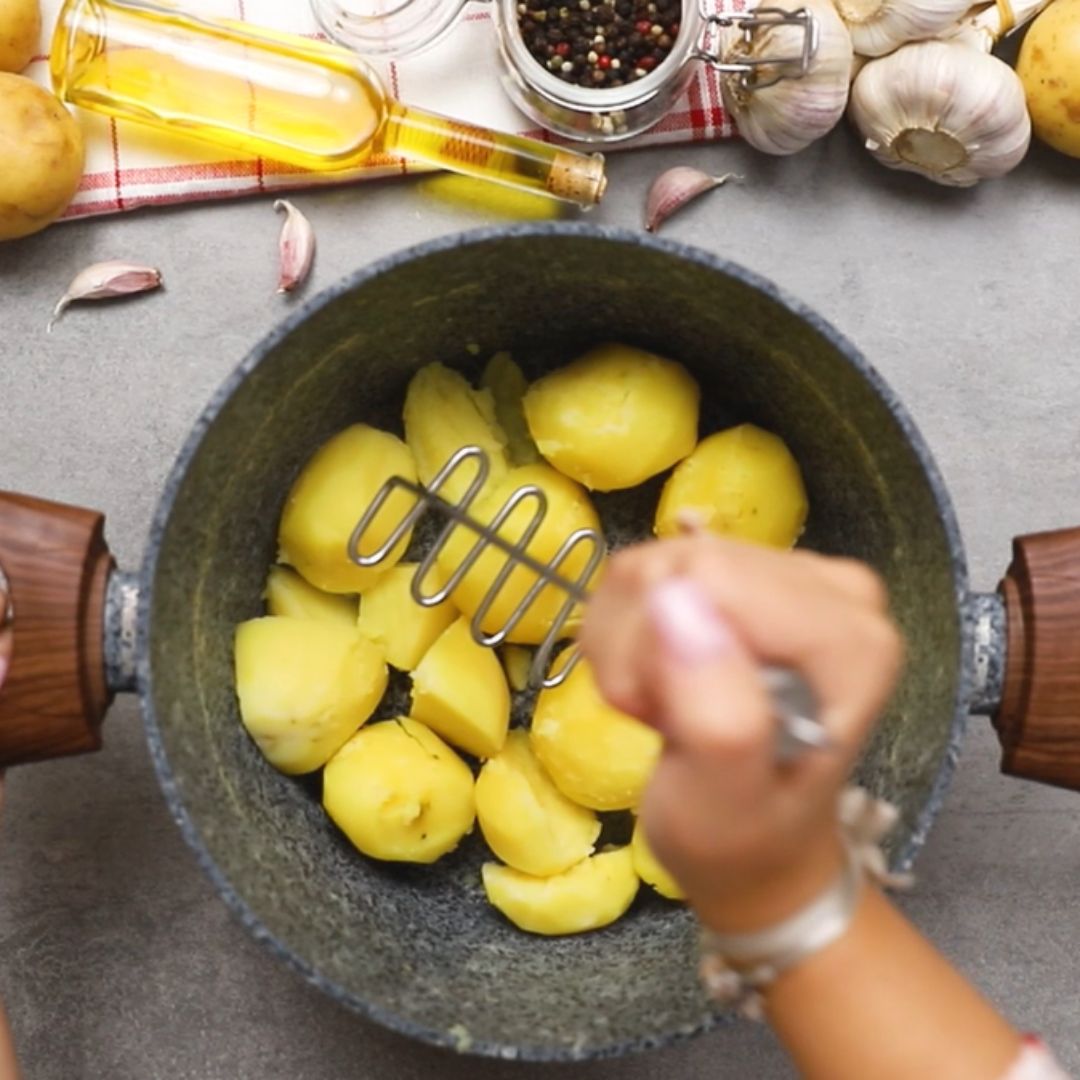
[[944, 110], [792, 113], [104, 281], [674, 188], [877, 27], [296, 247]]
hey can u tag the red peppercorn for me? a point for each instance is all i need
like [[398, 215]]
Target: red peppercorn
[[603, 62], [643, 26], [563, 48], [673, 29], [647, 63]]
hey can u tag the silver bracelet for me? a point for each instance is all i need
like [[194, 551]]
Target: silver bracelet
[[736, 968]]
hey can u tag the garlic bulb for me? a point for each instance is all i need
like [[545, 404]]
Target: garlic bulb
[[942, 109], [793, 112], [985, 25], [879, 26]]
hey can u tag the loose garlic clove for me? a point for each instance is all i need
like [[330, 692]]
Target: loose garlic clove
[[879, 26], [944, 110], [296, 247], [795, 111]]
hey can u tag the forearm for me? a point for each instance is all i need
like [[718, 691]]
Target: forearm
[[882, 1002], [9, 1069]]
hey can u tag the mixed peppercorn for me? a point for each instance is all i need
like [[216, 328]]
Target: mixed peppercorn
[[600, 43]]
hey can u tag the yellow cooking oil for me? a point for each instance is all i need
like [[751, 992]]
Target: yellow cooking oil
[[282, 96]]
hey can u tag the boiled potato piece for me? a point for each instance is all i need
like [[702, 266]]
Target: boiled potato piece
[[594, 893], [328, 499], [443, 413], [517, 660], [288, 594], [1049, 68], [597, 756], [390, 616], [742, 483], [41, 157], [508, 385], [20, 29], [460, 692], [568, 509], [649, 869], [399, 793], [526, 820], [614, 417], [304, 687]]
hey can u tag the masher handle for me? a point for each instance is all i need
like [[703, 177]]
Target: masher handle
[[56, 565], [1038, 721]]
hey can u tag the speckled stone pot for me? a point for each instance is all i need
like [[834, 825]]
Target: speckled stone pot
[[419, 949]]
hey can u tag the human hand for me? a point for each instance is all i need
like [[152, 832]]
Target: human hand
[[676, 632]]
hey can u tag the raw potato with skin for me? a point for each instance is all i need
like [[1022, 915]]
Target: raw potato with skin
[[1049, 68], [20, 31], [614, 417], [304, 687], [41, 157], [598, 757], [399, 793], [742, 483], [592, 894]]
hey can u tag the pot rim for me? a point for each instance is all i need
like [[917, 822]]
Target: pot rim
[[616, 235]]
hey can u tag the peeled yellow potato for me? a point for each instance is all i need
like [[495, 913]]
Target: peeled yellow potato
[[460, 692], [304, 687], [568, 509], [742, 483], [614, 417], [517, 660], [328, 499], [508, 386], [649, 869], [597, 756], [594, 893], [442, 414], [390, 616], [288, 594], [41, 157], [20, 29], [399, 793], [526, 820], [1049, 68]]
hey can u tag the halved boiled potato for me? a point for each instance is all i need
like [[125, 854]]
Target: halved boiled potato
[[442, 414], [597, 756], [594, 893], [399, 793], [460, 692], [288, 594], [508, 387], [743, 483], [330, 496], [568, 509], [649, 869], [305, 687], [518, 661], [615, 416], [390, 616], [525, 819]]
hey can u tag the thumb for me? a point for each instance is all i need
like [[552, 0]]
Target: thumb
[[707, 694]]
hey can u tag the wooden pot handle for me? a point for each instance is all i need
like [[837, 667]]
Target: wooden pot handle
[[57, 567], [1038, 721]]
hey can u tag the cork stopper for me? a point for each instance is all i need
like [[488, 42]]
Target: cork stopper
[[577, 178]]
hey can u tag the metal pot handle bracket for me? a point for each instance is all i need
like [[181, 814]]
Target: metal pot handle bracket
[[792, 66]]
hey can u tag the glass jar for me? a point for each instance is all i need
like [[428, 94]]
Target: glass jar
[[587, 114]]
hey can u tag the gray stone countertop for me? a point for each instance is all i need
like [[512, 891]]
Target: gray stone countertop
[[117, 960]]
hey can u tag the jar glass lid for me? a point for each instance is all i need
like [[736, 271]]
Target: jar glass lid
[[387, 27]]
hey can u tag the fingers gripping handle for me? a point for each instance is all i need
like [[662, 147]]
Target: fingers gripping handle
[[1038, 721], [57, 567]]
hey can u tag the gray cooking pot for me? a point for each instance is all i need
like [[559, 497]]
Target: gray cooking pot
[[419, 949]]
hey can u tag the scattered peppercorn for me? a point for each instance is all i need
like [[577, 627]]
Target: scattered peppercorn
[[600, 43]]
